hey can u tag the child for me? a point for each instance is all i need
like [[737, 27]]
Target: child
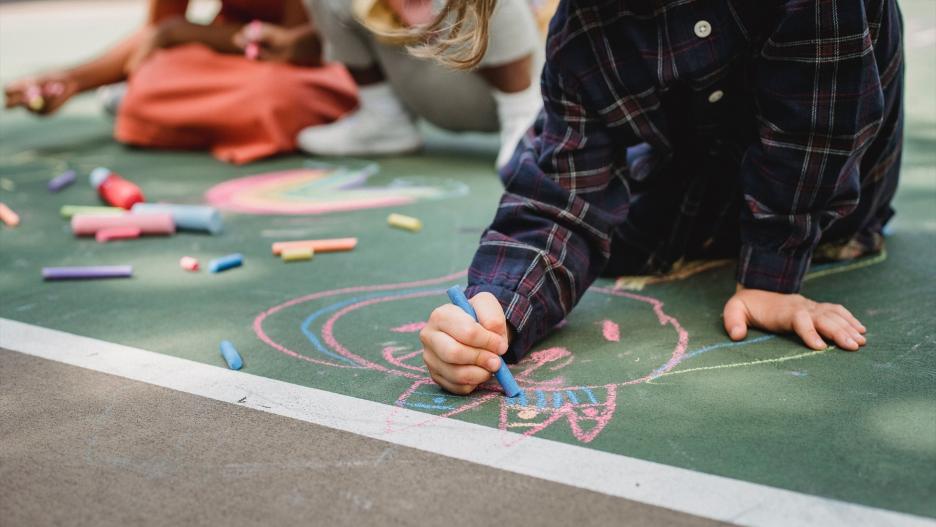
[[680, 130], [395, 87], [191, 87]]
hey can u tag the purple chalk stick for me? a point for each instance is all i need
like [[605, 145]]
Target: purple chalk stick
[[62, 180], [87, 273]]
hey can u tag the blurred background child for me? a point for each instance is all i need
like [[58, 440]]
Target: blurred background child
[[499, 93], [191, 87]]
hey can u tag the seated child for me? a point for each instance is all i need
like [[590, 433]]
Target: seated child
[[770, 132], [191, 87], [396, 88]]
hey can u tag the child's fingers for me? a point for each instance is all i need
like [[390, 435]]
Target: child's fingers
[[735, 315], [453, 352], [459, 325], [834, 327], [804, 327], [844, 325], [467, 375], [491, 317], [846, 314]]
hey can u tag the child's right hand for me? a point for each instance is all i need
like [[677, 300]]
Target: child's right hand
[[460, 353], [54, 88]]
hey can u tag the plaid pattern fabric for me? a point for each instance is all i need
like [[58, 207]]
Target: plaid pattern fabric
[[766, 126]]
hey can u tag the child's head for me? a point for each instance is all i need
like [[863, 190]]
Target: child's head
[[458, 36]]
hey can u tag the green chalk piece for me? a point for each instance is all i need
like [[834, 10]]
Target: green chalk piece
[[67, 211]]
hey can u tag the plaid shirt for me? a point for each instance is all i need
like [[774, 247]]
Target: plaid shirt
[[803, 95]]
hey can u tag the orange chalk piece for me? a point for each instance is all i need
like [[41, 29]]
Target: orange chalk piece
[[90, 224], [8, 216], [318, 246], [189, 264], [128, 232]]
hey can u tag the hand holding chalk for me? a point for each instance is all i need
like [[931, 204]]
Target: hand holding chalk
[[503, 375], [461, 352]]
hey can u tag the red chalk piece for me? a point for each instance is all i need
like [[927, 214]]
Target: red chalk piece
[[127, 232], [114, 189], [189, 264]]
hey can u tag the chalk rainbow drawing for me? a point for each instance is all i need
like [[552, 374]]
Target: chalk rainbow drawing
[[550, 393], [322, 189]]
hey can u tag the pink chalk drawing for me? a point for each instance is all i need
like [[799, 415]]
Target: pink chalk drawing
[[549, 395], [553, 394], [322, 189], [611, 331], [414, 327]]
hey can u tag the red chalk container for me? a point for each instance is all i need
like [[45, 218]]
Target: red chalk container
[[114, 189], [110, 234]]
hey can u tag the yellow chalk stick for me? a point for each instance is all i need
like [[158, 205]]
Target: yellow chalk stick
[[404, 222], [67, 211], [8, 216], [297, 254]]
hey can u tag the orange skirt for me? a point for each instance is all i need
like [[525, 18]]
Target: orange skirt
[[191, 97]]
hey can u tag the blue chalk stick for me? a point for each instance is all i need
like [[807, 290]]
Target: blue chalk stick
[[231, 357], [186, 217], [226, 262], [503, 375]]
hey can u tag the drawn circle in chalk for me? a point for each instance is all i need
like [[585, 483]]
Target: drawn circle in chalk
[[353, 329], [323, 189]]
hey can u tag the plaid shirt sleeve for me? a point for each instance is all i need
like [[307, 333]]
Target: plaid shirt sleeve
[[819, 102], [564, 193]]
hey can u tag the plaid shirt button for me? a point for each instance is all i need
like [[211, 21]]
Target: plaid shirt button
[[715, 96], [702, 29]]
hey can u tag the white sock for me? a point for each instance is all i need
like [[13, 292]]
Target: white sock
[[516, 112]]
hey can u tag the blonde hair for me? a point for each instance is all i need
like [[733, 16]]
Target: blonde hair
[[457, 38]]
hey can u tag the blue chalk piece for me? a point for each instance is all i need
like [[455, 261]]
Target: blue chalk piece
[[503, 375], [231, 357], [62, 180], [226, 262], [186, 217]]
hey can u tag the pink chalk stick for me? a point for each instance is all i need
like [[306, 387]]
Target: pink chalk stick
[[90, 224], [128, 232]]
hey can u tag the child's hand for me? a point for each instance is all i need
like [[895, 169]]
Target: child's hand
[[41, 95], [296, 45], [461, 353], [782, 313]]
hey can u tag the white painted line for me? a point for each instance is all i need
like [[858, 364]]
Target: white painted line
[[673, 488]]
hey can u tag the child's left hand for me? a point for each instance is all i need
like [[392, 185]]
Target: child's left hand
[[785, 313]]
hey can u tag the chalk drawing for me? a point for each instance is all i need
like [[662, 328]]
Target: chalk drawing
[[551, 395], [322, 189], [611, 331]]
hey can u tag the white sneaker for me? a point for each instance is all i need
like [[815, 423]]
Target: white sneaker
[[380, 126], [516, 112]]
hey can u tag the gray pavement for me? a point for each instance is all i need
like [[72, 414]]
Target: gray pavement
[[78, 447]]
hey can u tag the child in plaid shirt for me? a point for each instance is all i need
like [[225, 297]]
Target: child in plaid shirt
[[769, 131]]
